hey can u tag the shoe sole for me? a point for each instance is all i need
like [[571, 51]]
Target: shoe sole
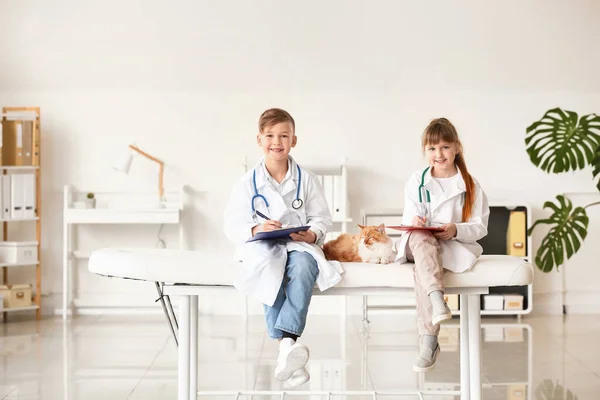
[[297, 359], [294, 383], [432, 366], [441, 318]]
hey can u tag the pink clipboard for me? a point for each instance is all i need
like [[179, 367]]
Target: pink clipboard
[[409, 228]]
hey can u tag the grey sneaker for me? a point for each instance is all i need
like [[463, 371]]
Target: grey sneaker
[[426, 359], [441, 313]]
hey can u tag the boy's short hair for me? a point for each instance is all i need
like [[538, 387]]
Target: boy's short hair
[[274, 116]]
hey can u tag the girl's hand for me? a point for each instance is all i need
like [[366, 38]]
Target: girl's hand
[[305, 236], [269, 225], [448, 233], [418, 221]]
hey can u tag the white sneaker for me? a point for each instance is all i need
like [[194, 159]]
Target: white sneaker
[[292, 357], [300, 377]]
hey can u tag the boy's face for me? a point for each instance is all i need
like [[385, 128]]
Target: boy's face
[[441, 155], [277, 140]]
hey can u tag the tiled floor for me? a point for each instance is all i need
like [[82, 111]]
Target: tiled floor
[[135, 358]]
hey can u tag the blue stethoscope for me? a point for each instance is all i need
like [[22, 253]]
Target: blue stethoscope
[[296, 204]]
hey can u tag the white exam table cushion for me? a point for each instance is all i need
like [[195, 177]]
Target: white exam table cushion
[[200, 268]]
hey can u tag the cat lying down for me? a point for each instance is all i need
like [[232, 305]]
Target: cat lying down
[[370, 245]]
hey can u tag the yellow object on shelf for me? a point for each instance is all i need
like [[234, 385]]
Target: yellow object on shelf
[[513, 302], [516, 234], [452, 301], [14, 296], [17, 141]]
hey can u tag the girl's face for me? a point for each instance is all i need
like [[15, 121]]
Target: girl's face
[[441, 156]]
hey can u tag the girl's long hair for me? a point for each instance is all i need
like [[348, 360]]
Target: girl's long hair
[[442, 130]]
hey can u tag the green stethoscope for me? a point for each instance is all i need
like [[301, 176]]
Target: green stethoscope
[[426, 194]]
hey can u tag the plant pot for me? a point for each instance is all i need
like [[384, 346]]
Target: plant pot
[[90, 203]]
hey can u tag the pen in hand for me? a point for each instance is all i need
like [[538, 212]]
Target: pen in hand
[[268, 219], [269, 225], [262, 215]]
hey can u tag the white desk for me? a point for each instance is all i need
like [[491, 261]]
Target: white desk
[[112, 208]]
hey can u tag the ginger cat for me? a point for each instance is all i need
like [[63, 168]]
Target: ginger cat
[[371, 245]]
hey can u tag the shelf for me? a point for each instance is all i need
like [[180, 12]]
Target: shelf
[[18, 264], [497, 312], [122, 216], [18, 167], [20, 309], [20, 219], [78, 254]]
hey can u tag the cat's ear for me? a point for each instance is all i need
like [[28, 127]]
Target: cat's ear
[[381, 228], [360, 226]]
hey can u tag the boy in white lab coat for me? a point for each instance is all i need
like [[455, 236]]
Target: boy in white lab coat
[[281, 273], [443, 194]]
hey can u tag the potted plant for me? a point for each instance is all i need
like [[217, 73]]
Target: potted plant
[[90, 200], [562, 142]]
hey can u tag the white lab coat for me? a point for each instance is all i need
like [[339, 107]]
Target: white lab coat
[[263, 262], [460, 253]]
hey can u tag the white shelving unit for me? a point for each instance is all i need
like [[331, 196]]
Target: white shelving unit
[[111, 208], [393, 216]]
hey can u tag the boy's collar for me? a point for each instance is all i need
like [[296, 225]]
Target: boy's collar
[[262, 178]]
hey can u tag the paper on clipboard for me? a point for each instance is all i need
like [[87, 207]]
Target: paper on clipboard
[[409, 228], [278, 233]]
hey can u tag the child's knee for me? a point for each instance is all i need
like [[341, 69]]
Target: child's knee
[[425, 238], [304, 265]]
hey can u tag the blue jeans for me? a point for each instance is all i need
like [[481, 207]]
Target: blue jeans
[[289, 311]]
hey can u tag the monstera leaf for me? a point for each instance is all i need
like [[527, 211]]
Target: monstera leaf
[[547, 390], [559, 142], [596, 168], [568, 231]]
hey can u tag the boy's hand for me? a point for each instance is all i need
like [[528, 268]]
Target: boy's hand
[[269, 225], [305, 236], [418, 221], [448, 233]]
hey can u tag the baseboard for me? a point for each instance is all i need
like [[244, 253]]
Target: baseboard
[[547, 304], [582, 302]]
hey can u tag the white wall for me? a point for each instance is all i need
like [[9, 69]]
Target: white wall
[[187, 81]]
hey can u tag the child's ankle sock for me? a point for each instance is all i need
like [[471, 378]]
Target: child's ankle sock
[[290, 335]]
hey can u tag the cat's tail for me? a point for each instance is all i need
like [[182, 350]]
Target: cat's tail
[[327, 250]]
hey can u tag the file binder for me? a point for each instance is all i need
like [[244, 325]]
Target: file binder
[[29, 195], [277, 234], [27, 144], [516, 234], [6, 207], [17, 142], [17, 196]]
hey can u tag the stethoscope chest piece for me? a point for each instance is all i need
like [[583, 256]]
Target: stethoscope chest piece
[[297, 204]]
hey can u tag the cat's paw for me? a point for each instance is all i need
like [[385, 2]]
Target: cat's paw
[[375, 260], [385, 260]]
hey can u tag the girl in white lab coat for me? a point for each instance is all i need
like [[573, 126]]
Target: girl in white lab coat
[[281, 274], [443, 194]]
